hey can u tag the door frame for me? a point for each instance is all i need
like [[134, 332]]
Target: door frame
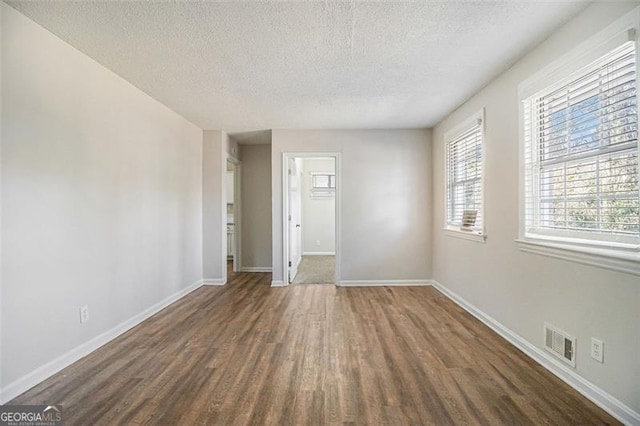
[[237, 213], [286, 156]]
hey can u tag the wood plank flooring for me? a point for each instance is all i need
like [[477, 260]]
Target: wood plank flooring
[[246, 353]]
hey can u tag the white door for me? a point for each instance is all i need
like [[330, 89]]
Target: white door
[[294, 218]]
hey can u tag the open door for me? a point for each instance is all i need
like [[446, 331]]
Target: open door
[[310, 219], [294, 217]]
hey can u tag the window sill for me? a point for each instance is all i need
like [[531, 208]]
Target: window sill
[[476, 236], [615, 260], [322, 196]]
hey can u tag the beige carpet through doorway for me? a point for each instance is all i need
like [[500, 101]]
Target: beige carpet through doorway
[[316, 270]]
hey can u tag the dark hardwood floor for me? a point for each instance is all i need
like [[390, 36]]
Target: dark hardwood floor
[[246, 353]]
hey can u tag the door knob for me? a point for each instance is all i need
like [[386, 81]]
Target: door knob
[[297, 225]]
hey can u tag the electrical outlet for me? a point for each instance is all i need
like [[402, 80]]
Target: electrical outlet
[[597, 349], [84, 314], [318, 243]]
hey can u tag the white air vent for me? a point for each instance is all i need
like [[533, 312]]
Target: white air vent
[[560, 344]]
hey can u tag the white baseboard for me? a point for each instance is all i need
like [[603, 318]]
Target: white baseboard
[[384, 283], [278, 283], [598, 396], [31, 379], [214, 281], [319, 253], [256, 269]]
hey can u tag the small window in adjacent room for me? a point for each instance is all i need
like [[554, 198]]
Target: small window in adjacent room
[[464, 178], [323, 184], [580, 154]]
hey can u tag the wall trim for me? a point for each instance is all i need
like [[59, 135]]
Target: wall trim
[[47, 370], [318, 253], [256, 269], [278, 283], [595, 394], [384, 283], [603, 258], [214, 281]]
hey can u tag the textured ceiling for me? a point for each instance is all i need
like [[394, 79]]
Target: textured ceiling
[[329, 64]]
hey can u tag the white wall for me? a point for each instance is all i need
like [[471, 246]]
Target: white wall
[[102, 199], [233, 149], [256, 206], [385, 208], [214, 217], [522, 290], [318, 213], [217, 148]]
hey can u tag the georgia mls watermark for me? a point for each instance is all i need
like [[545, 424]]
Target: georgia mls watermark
[[31, 415]]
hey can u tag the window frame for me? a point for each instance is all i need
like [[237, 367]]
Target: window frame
[[615, 253], [475, 120], [323, 192]]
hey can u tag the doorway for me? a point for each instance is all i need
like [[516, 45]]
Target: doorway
[[310, 222]]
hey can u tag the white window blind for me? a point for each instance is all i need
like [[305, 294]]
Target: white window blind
[[581, 153], [464, 176]]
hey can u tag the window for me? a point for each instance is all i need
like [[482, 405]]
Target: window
[[323, 184], [324, 181], [464, 177], [582, 154], [580, 186]]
